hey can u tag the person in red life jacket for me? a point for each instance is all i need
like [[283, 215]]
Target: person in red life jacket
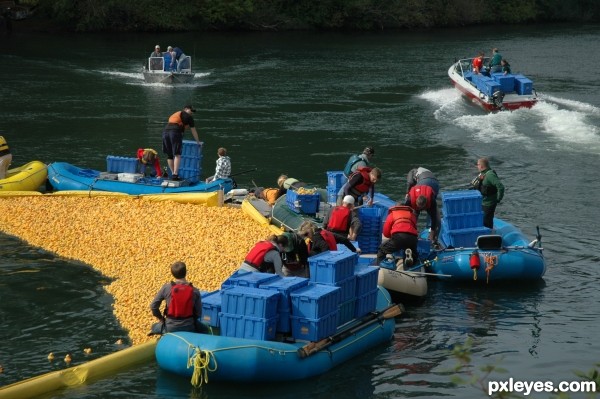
[[320, 240], [424, 198], [401, 228], [173, 137], [295, 256], [478, 63], [183, 303], [343, 220], [148, 159], [360, 183], [265, 256]]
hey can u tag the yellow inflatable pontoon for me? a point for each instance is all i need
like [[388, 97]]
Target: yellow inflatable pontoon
[[28, 177]]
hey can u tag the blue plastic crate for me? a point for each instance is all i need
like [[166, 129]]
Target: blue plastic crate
[[191, 162], [507, 82], [332, 197], [366, 279], [116, 164], [191, 149], [523, 85], [238, 326], [284, 321], [365, 304], [285, 286], [347, 288], [191, 175], [315, 300], [335, 180], [314, 329], [460, 202], [464, 220], [211, 307], [250, 279], [423, 248], [332, 266], [366, 261], [303, 203], [346, 312], [464, 238], [369, 244], [251, 302]]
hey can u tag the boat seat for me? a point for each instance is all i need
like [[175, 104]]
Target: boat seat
[[489, 242]]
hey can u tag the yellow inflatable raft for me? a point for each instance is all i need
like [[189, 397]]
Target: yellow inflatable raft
[[28, 177]]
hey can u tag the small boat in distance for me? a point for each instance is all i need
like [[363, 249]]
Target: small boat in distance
[[493, 92], [158, 70]]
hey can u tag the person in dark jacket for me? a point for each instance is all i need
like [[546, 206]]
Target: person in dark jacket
[[491, 188], [183, 304], [173, 137], [295, 256]]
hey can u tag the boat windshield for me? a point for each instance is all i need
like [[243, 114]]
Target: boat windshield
[[156, 64], [464, 65]]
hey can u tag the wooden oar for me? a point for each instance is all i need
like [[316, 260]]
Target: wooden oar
[[387, 313]]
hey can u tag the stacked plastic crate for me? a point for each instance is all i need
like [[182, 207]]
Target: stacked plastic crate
[[246, 310], [190, 167], [369, 237], [335, 181], [303, 203], [211, 307], [285, 286], [463, 218], [366, 289], [116, 164], [336, 268]]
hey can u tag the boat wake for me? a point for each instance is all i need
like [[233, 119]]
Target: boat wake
[[555, 121], [137, 78]]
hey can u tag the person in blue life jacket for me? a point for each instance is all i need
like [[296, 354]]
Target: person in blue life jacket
[[183, 304], [359, 161]]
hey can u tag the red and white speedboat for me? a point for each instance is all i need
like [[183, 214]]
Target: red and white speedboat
[[493, 92]]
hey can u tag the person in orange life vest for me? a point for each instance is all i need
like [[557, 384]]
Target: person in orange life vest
[[147, 157], [478, 63], [362, 182], [271, 194], [401, 228], [295, 256], [265, 256], [183, 303], [343, 220], [5, 157], [320, 240], [424, 198], [173, 137]]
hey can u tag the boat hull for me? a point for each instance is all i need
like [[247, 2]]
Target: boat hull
[[244, 360], [403, 283], [168, 77], [28, 177], [516, 259], [63, 176], [509, 102]]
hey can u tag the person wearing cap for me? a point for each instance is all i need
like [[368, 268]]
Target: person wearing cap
[[359, 161], [156, 52], [5, 157], [343, 219], [265, 256], [295, 256], [148, 158], [495, 64], [173, 137]]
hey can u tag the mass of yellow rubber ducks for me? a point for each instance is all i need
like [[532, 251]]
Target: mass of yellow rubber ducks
[[134, 242]]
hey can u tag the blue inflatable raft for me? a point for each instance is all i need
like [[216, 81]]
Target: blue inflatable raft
[[64, 176], [246, 360]]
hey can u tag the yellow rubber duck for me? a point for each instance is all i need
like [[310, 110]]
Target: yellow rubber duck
[[51, 356], [87, 351], [119, 342], [68, 359]]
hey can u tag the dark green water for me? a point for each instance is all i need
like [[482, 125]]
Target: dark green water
[[300, 103]]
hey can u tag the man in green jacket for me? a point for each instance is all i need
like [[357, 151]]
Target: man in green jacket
[[491, 188]]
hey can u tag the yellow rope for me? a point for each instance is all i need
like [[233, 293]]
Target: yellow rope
[[490, 261], [200, 361]]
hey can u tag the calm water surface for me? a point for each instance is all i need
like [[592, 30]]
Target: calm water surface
[[301, 103]]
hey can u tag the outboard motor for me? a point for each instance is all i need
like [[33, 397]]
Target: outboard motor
[[497, 98]]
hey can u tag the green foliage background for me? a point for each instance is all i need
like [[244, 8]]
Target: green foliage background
[[162, 15]]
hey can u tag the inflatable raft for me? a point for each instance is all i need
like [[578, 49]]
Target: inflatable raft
[[28, 177], [246, 360]]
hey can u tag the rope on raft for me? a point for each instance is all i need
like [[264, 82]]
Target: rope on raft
[[200, 361]]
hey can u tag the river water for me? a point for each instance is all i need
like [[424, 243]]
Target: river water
[[300, 103]]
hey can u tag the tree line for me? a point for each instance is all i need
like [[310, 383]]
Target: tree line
[[271, 15]]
